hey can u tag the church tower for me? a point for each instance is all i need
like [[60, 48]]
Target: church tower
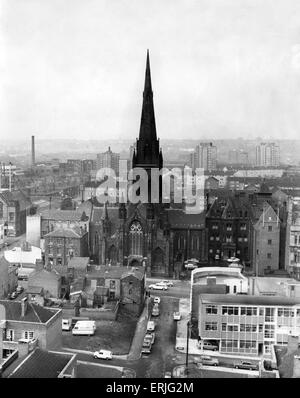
[[148, 153]]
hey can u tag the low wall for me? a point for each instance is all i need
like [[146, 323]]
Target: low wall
[[7, 361], [97, 314]]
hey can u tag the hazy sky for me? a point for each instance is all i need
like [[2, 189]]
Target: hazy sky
[[220, 68]]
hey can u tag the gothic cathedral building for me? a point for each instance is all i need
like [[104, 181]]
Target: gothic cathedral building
[[157, 236]]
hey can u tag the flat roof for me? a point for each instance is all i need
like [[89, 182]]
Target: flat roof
[[248, 300]]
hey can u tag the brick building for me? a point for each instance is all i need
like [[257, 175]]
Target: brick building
[[63, 244], [14, 206]]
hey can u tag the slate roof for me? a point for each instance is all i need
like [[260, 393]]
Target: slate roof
[[179, 219], [34, 313], [79, 262], [114, 272], [62, 215], [13, 196], [66, 233], [42, 364]]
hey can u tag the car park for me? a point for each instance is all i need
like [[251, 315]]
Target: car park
[[207, 360], [156, 300], [245, 365], [156, 286], [103, 354], [176, 316]]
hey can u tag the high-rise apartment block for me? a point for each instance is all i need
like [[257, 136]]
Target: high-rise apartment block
[[267, 154], [205, 157], [108, 159]]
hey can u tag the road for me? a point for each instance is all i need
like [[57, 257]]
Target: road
[[163, 355]]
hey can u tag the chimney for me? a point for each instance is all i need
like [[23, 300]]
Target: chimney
[[32, 151], [24, 304]]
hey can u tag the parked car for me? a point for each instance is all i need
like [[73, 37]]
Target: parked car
[[156, 300], [155, 311], [245, 365], [207, 360], [66, 324], [146, 343], [210, 346], [146, 349], [103, 354], [150, 337], [14, 295], [190, 266], [168, 375], [9, 296], [156, 286], [19, 289], [168, 283], [150, 326], [176, 316]]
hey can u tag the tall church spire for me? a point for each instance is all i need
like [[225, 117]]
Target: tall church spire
[[148, 127]]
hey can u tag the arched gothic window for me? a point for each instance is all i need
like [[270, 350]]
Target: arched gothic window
[[136, 239]]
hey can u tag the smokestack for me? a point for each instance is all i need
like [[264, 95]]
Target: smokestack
[[32, 151]]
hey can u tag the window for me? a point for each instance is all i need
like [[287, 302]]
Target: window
[[243, 227], [28, 334], [269, 316], [217, 238], [11, 216], [245, 239], [232, 328], [269, 241], [240, 239], [212, 238], [211, 309], [10, 334], [269, 255], [270, 228], [249, 311], [211, 325], [247, 344], [230, 310], [260, 328], [245, 327], [112, 284], [229, 227], [136, 239], [269, 331]]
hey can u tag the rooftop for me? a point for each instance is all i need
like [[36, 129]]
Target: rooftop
[[79, 262], [248, 300], [114, 272], [42, 364], [34, 313]]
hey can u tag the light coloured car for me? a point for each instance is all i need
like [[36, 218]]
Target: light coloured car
[[245, 365], [176, 316], [158, 287], [156, 300], [155, 311], [209, 346], [207, 360], [168, 283], [103, 354], [150, 326], [150, 337], [168, 375]]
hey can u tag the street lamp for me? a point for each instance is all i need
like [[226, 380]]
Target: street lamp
[[187, 347]]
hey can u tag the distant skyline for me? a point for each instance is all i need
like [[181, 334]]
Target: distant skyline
[[220, 69]]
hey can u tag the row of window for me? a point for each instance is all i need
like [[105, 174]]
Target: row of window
[[238, 344], [229, 238], [27, 334], [243, 327], [252, 311], [243, 227]]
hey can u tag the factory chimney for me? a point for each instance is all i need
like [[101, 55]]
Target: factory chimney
[[32, 151]]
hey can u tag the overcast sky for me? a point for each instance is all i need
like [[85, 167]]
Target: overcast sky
[[221, 68]]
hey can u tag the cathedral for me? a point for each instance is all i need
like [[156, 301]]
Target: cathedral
[[157, 236]]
